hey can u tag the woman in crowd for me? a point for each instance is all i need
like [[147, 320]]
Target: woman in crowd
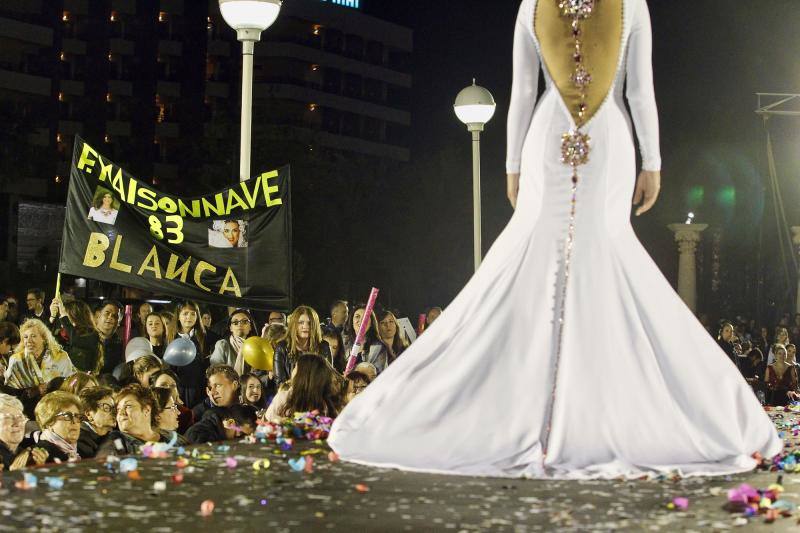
[[761, 340], [228, 350], [252, 392], [314, 385], [781, 378], [81, 340], [12, 433], [304, 335], [165, 418], [724, 339], [39, 360], [77, 382], [101, 414], [170, 322], [167, 378], [791, 354], [356, 383], [135, 406], [391, 334], [9, 339], [192, 377], [782, 338], [156, 331], [144, 367], [333, 338], [373, 350], [59, 415]]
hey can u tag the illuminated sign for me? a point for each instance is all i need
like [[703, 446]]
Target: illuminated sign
[[344, 3]]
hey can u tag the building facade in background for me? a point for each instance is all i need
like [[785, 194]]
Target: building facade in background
[[156, 86]]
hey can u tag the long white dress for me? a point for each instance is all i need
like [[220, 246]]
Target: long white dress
[[637, 388]]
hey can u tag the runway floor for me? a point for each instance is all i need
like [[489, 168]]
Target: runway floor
[[340, 496]]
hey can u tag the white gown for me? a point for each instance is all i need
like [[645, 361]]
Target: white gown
[[640, 388]]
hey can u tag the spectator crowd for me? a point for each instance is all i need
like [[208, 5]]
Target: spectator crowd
[[78, 381]]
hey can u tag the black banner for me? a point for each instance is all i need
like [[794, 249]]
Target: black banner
[[231, 247]]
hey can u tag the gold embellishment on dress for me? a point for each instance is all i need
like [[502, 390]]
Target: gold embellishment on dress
[[575, 149], [601, 48]]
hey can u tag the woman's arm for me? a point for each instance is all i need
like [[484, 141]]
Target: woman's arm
[[640, 93], [524, 87]]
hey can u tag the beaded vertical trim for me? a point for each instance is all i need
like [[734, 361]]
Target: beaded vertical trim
[[575, 150]]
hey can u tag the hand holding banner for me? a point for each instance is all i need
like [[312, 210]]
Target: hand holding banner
[[362, 331]]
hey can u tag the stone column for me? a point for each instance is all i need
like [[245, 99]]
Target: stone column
[[796, 242], [687, 236]]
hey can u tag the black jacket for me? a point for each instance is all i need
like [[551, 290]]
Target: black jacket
[[89, 441], [283, 364], [192, 377], [200, 409], [209, 429], [7, 456], [113, 354]]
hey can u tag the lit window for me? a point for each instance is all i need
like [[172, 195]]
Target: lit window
[[315, 67], [58, 137], [60, 96], [163, 16], [317, 29], [110, 56], [107, 138], [58, 178], [312, 107], [108, 97], [65, 16], [114, 16], [62, 56]]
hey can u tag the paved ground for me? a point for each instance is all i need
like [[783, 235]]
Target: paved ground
[[328, 498]]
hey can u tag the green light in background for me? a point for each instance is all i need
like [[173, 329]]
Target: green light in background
[[695, 196], [727, 196]]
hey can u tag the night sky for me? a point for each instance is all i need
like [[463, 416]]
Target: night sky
[[710, 58]]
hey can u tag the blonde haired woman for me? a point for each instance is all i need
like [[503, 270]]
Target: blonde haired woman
[[38, 360], [304, 335]]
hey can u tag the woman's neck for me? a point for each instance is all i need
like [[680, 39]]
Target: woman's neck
[[8, 445], [147, 435], [102, 430], [155, 341]]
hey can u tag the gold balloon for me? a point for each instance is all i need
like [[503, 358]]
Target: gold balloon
[[258, 353]]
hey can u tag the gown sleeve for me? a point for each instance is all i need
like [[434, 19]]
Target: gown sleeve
[[640, 93], [524, 88]]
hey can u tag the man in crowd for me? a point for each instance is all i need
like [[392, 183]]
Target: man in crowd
[[142, 311], [34, 299], [339, 316], [222, 390], [106, 322], [221, 405]]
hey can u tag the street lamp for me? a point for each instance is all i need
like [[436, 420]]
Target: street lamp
[[475, 107], [249, 18]]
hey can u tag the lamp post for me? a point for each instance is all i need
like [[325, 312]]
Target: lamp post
[[249, 18], [475, 107]]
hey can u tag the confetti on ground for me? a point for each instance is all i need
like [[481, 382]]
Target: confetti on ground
[[333, 494]]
